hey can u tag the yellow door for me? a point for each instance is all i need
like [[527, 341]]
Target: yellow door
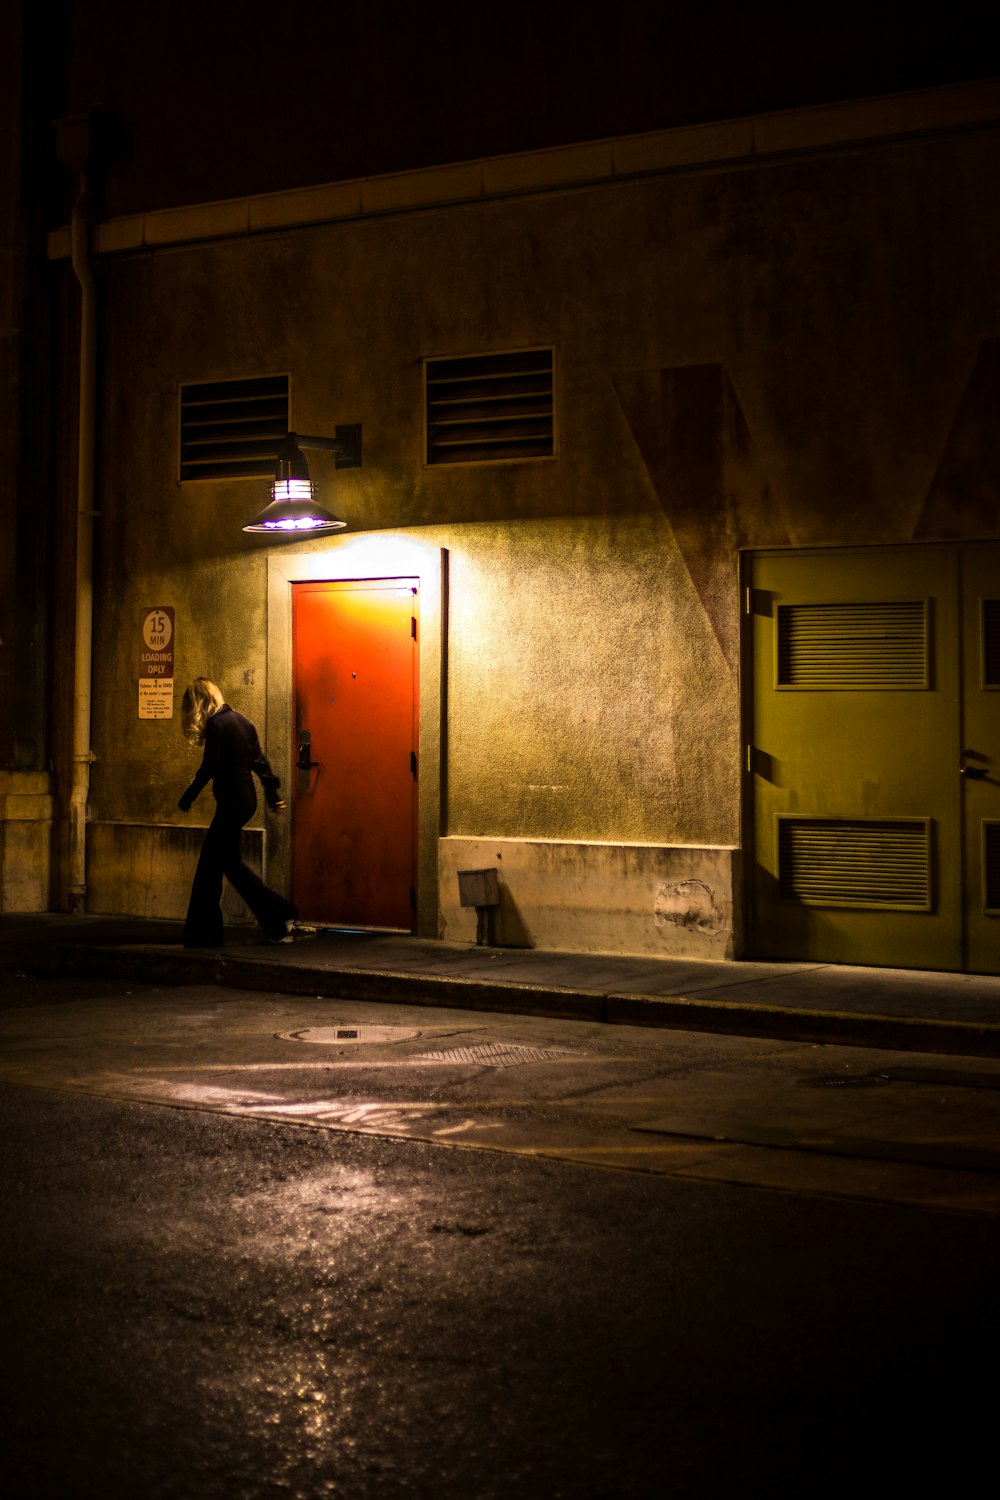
[[854, 757]]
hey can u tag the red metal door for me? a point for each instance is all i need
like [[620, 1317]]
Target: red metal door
[[354, 802]]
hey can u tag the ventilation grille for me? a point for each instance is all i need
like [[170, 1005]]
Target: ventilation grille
[[837, 862], [991, 867], [490, 407], [231, 429], [991, 643], [852, 645]]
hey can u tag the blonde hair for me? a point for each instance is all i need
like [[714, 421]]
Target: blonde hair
[[201, 700]]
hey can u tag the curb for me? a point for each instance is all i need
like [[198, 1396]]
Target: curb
[[792, 1024], [671, 1012]]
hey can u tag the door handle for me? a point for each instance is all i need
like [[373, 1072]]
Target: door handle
[[305, 761], [974, 773]]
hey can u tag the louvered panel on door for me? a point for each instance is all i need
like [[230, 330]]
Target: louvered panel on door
[[862, 862], [853, 646]]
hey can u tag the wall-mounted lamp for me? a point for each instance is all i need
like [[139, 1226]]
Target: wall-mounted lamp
[[292, 506]]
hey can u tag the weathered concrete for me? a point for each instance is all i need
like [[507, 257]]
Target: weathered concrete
[[598, 898], [26, 833], [147, 868], [678, 1104]]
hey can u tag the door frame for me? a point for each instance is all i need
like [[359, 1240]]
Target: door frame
[[351, 560]]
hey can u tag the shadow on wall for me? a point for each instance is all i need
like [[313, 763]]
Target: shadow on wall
[[498, 919], [510, 931], [962, 499], [696, 447]]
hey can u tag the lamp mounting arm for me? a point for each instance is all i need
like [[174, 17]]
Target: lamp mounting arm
[[346, 444]]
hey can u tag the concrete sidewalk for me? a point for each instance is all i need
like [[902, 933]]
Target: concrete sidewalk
[[892, 1008]]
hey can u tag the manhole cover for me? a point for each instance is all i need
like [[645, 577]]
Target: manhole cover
[[845, 1081], [496, 1055], [350, 1036]]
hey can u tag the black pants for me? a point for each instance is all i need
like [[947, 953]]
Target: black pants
[[220, 856]]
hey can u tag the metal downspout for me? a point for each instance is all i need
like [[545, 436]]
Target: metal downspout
[[82, 753]]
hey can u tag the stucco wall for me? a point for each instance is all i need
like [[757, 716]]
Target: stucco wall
[[573, 650]]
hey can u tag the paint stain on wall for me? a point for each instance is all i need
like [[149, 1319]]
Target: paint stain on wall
[[688, 903]]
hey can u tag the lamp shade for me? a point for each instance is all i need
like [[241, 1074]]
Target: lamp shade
[[292, 506]]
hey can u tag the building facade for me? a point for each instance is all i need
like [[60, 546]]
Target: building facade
[[669, 586]]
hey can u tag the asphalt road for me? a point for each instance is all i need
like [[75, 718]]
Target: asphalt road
[[208, 1294]]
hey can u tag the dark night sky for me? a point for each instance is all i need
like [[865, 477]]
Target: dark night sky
[[216, 99]]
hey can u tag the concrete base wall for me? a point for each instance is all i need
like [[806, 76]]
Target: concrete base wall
[[25, 840], [566, 897], [599, 898], [141, 870]]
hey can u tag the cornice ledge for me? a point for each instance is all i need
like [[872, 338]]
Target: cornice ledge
[[821, 127]]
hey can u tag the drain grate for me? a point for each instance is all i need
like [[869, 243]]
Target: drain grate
[[497, 1055]]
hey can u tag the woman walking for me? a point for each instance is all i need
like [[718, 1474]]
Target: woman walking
[[232, 756]]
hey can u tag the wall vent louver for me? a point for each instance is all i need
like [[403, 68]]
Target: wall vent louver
[[859, 646], [878, 863], [991, 643], [231, 429], [490, 408]]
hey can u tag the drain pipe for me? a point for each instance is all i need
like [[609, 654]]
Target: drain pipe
[[83, 756]]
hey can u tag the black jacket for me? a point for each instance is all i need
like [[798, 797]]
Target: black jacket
[[232, 756]]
